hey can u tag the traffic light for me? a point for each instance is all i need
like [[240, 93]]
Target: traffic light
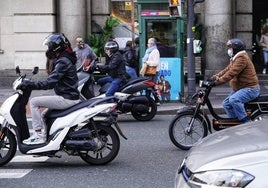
[[175, 9]]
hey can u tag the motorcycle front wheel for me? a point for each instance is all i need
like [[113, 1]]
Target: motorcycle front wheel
[[179, 132], [149, 114], [8, 147], [110, 145]]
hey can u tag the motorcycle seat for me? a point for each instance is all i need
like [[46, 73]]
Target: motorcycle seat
[[261, 98], [52, 113], [132, 81]]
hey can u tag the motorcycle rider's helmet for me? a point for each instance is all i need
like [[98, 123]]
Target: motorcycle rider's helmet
[[237, 45], [112, 46], [56, 43]]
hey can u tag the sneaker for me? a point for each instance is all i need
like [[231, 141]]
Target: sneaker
[[36, 138], [264, 71]]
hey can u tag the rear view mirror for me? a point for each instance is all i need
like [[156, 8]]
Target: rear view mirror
[[35, 70], [17, 70]]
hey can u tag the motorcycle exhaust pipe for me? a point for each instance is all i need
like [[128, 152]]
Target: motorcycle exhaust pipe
[[81, 144]]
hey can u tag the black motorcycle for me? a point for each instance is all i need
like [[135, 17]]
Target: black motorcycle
[[191, 124], [137, 96]]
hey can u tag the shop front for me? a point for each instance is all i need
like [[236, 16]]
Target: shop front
[[155, 21]]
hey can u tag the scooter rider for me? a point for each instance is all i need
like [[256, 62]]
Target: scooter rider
[[243, 80], [63, 79], [114, 66]]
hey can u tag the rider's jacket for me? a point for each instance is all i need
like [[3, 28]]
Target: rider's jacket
[[115, 65], [63, 79], [240, 72]]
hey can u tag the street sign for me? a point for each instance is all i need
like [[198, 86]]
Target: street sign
[[128, 6]]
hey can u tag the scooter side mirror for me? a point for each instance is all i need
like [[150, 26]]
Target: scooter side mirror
[[17, 70], [35, 70]]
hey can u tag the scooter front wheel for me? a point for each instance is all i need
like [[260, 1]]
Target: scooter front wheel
[[148, 114], [184, 137], [8, 147], [109, 149]]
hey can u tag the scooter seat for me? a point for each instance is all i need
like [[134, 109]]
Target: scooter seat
[[52, 113], [261, 98], [132, 81]]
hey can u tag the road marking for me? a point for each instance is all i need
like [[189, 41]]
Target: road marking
[[28, 158], [13, 173], [20, 173]]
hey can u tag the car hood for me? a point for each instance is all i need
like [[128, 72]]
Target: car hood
[[240, 140]]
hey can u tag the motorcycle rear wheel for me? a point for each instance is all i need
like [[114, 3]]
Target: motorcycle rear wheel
[[8, 147], [178, 133], [146, 116], [109, 150]]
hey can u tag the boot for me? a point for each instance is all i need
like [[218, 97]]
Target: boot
[[245, 120]]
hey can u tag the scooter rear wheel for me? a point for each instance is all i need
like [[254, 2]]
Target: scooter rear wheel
[[146, 116], [8, 147], [109, 149], [179, 134]]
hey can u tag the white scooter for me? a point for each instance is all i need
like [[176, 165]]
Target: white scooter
[[75, 130]]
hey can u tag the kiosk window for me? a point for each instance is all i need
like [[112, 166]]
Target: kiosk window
[[164, 31]]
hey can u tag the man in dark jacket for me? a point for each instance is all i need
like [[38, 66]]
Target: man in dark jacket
[[114, 66], [63, 79]]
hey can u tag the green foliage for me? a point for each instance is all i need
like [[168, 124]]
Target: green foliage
[[98, 40]]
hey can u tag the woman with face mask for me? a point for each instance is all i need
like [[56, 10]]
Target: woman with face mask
[[243, 80]]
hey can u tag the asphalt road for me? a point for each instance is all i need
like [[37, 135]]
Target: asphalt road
[[147, 159]]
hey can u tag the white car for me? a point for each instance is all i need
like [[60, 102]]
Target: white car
[[234, 157]]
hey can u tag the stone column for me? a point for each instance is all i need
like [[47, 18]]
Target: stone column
[[72, 18], [218, 27], [88, 20]]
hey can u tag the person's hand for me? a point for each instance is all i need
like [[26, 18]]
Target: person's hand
[[26, 84]]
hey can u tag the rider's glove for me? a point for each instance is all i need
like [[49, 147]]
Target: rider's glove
[[26, 84]]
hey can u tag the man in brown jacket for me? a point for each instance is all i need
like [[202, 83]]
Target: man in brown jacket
[[243, 80]]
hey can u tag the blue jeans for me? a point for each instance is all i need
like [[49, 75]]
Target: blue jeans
[[131, 71], [234, 103], [114, 84], [265, 58]]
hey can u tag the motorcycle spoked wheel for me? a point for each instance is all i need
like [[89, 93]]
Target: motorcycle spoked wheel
[[8, 147], [178, 133], [146, 116], [109, 149]]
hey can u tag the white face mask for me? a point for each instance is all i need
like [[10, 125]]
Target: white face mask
[[230, 53]]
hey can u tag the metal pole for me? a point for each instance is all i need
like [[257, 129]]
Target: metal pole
[[132, 21], [190, 55]]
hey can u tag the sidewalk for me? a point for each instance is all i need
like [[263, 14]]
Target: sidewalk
[[217, 95]]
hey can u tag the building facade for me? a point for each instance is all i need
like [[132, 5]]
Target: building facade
[[25, 23]]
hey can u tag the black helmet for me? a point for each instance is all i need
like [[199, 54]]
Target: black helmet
[[56, 43], [112, 46], [237, 45]]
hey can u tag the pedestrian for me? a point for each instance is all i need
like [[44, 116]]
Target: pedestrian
[[84, 53], [128, 54], [164, 87], [151, 63], [243, 80], [264, 46], [114, 66], [62, 78]]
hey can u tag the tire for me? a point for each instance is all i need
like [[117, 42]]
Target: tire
[[258, 116], [141, 116], [178, 134], [109, 150], [8, 147]]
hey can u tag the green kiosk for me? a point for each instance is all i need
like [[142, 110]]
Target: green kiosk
[[161, 19]]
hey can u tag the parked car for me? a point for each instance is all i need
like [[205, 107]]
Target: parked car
[[234, 157]]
